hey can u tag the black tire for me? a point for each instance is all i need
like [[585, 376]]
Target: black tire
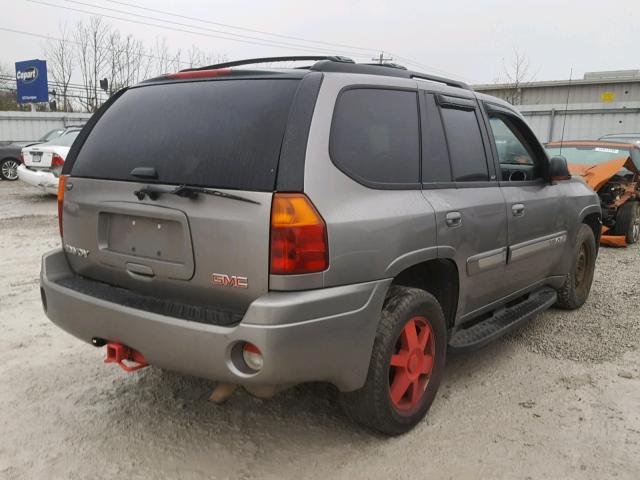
[[8, 169], [628, 222], [575, 290], [372, 405]]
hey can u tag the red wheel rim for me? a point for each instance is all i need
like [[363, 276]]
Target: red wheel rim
[[411, 364]]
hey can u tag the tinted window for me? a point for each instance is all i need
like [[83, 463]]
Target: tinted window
[[466, 149], [435, 157], [224, 134], [375, 135]]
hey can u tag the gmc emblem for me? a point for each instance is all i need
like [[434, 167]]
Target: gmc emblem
[[224, 280]]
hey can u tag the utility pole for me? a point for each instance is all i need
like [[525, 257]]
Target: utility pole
[[381, 59]]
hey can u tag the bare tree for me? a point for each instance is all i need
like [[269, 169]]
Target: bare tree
[[7, 88], [199, 58], [165, 60], [517, 73], [93, 56], [60, 55]]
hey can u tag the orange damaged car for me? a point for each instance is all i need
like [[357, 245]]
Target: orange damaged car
[[612, 169]]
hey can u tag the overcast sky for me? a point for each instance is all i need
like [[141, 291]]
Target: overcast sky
[[467, 38]]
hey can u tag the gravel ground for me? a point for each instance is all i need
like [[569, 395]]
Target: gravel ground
[[559, 398]]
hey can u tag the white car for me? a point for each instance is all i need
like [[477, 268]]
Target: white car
[[42, 163]]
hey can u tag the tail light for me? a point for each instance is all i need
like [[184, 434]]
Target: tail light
[[57, 160], [22, 158], [62, 187], [298, 236]]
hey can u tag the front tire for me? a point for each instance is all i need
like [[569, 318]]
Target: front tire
[[628, 222], [576, 288], [406, 366], [9, 169]]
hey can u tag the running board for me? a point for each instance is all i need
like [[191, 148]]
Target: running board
[[502, 321]]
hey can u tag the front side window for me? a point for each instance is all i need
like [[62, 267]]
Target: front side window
[[517, 162], [466, 148], [375, 136]]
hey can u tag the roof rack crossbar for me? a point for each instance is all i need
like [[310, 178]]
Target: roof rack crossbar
[[252, 61]]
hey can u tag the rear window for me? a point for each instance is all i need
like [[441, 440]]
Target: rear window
[[224, 134], [64, 140]]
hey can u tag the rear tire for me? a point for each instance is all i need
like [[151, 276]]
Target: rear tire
[[628, 222], [406, 366], [9, 169], [575, 290]]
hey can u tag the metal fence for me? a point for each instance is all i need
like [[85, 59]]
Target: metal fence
[[584, 121], [26, 126]]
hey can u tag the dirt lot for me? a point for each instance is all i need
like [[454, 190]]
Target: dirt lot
[[560, 398]]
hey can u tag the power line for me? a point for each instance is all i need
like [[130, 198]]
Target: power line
[[260, 43], [262, 32], [365, 49], [381, 59], [48, 37], [164, 12]]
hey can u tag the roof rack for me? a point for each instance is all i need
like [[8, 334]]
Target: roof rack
[[253, 61], [386, 69], [336, 63]]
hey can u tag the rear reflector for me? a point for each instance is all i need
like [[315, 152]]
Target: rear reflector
[[298, 236], [219, 72], [252, 356], [62, 186]]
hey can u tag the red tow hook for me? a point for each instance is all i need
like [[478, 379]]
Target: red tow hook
[[118, 353]]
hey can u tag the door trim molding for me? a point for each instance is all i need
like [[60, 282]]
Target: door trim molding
[[486, 261], [526, 249]]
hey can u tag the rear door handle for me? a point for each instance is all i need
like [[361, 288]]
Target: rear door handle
[[454, 219], [517, 209]]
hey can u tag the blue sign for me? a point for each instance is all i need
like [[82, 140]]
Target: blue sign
[[31, 81]]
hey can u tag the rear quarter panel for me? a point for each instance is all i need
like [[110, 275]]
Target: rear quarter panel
[[373, 234]]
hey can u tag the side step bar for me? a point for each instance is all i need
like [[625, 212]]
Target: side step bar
[[502, 321]]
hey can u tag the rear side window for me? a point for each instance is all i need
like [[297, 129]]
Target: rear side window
[[466, 149], [375, 136], [224, 134], [435, 157]]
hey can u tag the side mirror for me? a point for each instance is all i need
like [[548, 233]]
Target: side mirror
[[558, 169]]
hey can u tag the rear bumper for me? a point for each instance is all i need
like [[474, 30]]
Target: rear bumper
[[316, 335], [46, 181]]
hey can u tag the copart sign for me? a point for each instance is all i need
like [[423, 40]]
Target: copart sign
[[31, 81]]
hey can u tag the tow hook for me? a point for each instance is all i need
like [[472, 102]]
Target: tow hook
[[118, 353]]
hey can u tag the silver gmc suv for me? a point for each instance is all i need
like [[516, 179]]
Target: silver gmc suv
[[343, 223]]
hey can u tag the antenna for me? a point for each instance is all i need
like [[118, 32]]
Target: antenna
[[566, 107]]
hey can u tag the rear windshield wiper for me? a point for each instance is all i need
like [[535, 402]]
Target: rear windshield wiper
[[192, 192], [187, 191]]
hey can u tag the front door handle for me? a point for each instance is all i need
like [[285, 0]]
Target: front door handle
[[454, 219], [517, 209]]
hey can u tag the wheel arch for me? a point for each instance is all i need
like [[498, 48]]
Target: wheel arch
[[439, 277], [593, 218]]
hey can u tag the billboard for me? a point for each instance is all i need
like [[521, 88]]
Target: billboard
[[31, 81]]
